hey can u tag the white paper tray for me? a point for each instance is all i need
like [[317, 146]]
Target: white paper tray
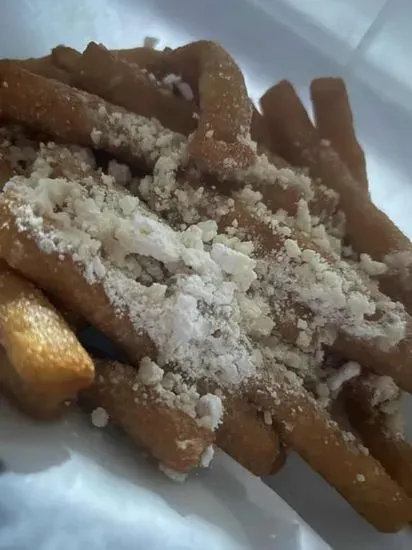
[[85, 486], [68, 486]]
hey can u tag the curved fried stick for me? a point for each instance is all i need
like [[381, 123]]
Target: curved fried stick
[[390, 448], [368, 229], [171, 435], [336, 456], [47, 360], [220, 143], [100, 72], [334, 122]]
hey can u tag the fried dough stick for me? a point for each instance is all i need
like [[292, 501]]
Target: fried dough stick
[[225, 108], [47, 365], [171, 436], [100, 72], [334, 122], [368, 229], [372, 423], [387, 525], [307, 428], [131, 87], [77, 117], [220, 140], [134, 90], [162, 430], [85, 119]]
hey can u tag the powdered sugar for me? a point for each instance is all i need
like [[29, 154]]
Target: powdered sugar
[[149, 373], [194, 318], [371, 267], [99, 417]]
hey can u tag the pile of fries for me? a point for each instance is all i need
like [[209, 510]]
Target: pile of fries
[[234, 256]]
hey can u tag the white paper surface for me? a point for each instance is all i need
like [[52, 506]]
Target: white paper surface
[[363, 40], [68, 486]]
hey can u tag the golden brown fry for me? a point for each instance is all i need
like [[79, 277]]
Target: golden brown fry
[[171, 436], [100, 72], [42, 66], [61, 278], [393, 361], [246, 438], [368, 229], [65, 58], [390, 448], [38, 405], [257, 447], [220, 141], [78, 117], [336, 456], [334, 121], [44, 352]]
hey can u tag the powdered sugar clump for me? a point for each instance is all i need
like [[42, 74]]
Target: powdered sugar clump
[[192, 317], [99, 418]]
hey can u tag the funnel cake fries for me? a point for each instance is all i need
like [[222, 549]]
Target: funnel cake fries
[[88, 120], [223, 282], [334, 122], [205, 341], [150, 416], [131, 82], [100, 72], [391, 356], [373, 407], [76, 117], [47, 363], [308, 429], [368, 230], [169, 426], [221, 142]]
